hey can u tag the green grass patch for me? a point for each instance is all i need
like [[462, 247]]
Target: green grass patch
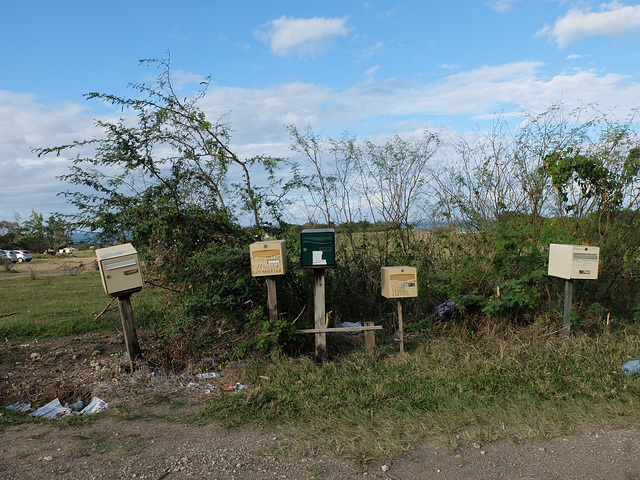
[[62, 305], [53, 306], [366, 407]]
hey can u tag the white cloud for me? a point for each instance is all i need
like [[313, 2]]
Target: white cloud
[[371, 51], [501, 6], [257, 117], [614, 18], [301, 35], [29, 182]]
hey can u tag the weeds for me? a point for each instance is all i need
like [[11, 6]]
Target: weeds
[[365, 407]]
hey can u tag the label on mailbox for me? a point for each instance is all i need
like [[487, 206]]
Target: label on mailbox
[[316, 258]]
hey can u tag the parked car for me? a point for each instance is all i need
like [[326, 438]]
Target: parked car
[[9, 255], [23, 255]]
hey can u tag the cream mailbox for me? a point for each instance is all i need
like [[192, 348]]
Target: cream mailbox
[[573, 261], [119, 269], [399, 282], [268, 258]]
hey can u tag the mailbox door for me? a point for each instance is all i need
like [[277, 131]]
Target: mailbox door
[[122, 274], [399, 282], [584, 262], [268, 258], [317, 249]]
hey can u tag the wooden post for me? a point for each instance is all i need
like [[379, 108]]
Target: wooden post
[[318, 314], [369, 338], [129, 330], [272, 300], [568, 300], [400, 327]]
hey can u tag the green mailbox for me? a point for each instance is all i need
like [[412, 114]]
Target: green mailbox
[[317, 248]]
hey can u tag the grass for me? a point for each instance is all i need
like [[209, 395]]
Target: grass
[[53, 306], [366, 407]]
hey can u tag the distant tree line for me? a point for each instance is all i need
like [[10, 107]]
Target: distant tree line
[[474, 212], [36, 234]]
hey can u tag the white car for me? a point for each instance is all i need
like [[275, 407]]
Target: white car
[[23, 255], [8, 255]]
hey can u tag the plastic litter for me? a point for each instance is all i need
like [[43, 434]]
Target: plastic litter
[[350, 324], [54, 409], [96, 405], [76, 407], [237, 386], [207, 375], [20, 407], [631, 367], [446, 310]]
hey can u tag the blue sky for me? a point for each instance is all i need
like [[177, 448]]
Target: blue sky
[[372, 68]]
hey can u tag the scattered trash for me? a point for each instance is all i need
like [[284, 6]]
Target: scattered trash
[[207, 375], [631, 367], [350, 325], [76, 407], [96, 405], [446, 310], [237, 386], [54, 409], [20, 407]]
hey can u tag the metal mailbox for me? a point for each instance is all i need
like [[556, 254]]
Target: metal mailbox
[[268, 258], [573, 261], [399, 282], [317, 248], [120, 269]]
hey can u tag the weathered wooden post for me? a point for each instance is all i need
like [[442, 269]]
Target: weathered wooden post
[[129, 330], [399, 282], [272, 299], [400, 327], [319, 314], [572, 262], [568, 301], [121, 276], [369, 338]]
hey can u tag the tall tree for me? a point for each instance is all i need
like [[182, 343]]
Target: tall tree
[[163, 175]]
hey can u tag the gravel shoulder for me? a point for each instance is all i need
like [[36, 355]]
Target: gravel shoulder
[[157, 449]]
